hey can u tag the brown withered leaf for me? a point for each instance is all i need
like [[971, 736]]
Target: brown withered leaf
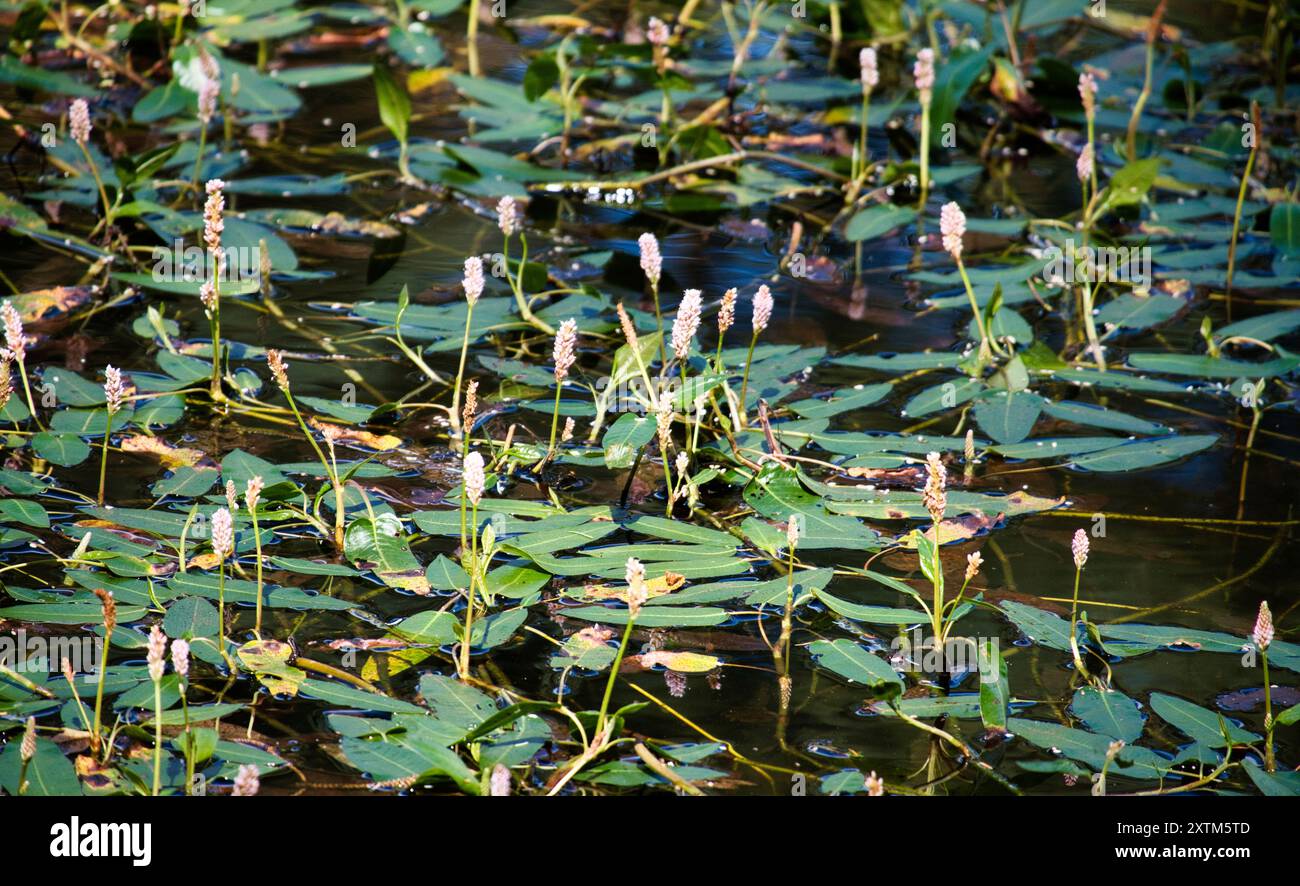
[[655, 587], [113, 528], [203, 561], [171, 456], [957, 529], [354, 437], [47, 304], [382, 643]]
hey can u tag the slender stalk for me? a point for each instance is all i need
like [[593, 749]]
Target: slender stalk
[[1241, 200], [987, 345], [460, 371], [330, 472], [1270, 760], [99, 688], [22, 777], [613, 674], [467, 640], [103, 459], [340, 501], [189, 744], [659, 325], [157, 737], [1153, 31], [517, 286], [1092, 144], [99, 184], [668, 485], [936, 610], [555, 418], [214, 323], [859, 172], [471, 38], [27, 390], [179, 25], [1090, 327], [72, 684], [1074, 642], [781, 651], [221, 603], [257, 542], [951, 607], [925, 154], [744, 384], [837, 34], [198, 159]]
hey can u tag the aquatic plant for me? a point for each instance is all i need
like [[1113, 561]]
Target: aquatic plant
[[462, 599]]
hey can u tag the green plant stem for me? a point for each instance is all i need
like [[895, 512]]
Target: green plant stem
[[257, 543], [744, 384], [951, 607], [1236, 218], [613, 674], [221, 604], [781, 651], [198, 159], [329, 472], [517, 286], [214, 321], [1092, 143], [1145, 94], [99, 184], [340, 501], [460, 371], [103, 459], [937, 611], [189, 743], [1074, 642], [27, 390], [157, 737], [987, 345], [668, 483], [1090, 328], [467, 640], [464, 514], [859, 172], [925, 153], [99, 692], [178, 30], [659, 325], [555, 417], [471, 38], [1270, 760], [22, 777]]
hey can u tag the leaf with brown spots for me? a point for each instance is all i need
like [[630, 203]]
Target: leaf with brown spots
[[681, 662], [655, 587], [49, 304], [171, 456], [269, 661], [353, 437]]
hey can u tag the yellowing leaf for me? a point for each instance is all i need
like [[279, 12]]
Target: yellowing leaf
[[269, 661], [655, 587], [171, 456], [341, 434], [682, 662]]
